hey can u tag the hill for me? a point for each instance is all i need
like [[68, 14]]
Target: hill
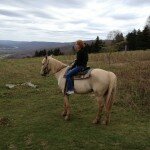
[[30, 118], [20, 49]]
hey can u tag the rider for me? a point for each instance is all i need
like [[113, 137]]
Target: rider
[[79, 65]]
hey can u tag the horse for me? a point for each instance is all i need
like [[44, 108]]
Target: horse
[[102, 83]]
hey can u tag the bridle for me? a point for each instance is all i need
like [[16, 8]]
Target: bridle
[[59, 69], [46, 70]]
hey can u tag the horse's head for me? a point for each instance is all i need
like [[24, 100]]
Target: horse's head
[[45, 69]]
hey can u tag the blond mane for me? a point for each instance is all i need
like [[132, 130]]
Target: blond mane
[[55, 64]]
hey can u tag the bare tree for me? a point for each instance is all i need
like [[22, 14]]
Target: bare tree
[[111, 47], [112, 34]]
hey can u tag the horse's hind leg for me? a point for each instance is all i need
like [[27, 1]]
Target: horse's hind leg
[[66, 112], [100, 108], [108, 107]]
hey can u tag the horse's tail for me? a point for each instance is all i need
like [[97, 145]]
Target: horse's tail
[[111, 90]]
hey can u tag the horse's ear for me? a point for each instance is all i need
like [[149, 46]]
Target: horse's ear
[[46, 57]]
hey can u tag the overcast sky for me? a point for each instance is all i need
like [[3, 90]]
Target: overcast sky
[[69, 20]]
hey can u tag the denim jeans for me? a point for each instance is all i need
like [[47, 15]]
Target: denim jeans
[[69, 76]]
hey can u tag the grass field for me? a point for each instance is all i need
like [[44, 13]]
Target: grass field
[[33, 119]]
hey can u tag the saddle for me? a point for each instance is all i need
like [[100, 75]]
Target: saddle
[[84, 74]]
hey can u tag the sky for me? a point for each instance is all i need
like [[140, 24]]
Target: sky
[[69, 20]]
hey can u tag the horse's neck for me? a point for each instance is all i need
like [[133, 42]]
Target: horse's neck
[[60, 73], [57, 67]]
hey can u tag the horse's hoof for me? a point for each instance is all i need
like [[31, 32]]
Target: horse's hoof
[[95, 121], [67, 118], [105, 123], [63, 114]]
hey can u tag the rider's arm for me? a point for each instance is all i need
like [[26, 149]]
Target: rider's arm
[[74, 64]]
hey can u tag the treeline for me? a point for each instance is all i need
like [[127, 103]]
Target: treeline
[[96, 46], [117, 41], [135, 40], [138, 39], [44, 52]]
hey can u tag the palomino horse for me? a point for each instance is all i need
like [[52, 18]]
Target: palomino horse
[[101, 82]]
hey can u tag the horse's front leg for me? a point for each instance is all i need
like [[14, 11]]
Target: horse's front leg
[[66, 112]]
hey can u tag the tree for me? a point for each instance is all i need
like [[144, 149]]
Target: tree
[[57, 52], [132, 40], [50, 52], [98, 45], [119, 42], [44, 52], [110, 48], [118, 38], [146, 37], [112, 34], [148, 22], [88, 47], [36, 54], [95, 46], [138, 39]]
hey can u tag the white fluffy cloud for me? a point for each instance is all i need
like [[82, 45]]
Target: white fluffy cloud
[[69, 20]]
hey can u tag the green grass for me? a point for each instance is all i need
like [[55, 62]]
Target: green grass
[[34, 114]]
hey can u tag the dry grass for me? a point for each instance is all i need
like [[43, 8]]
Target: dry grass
[[133, 72], [30, 118]]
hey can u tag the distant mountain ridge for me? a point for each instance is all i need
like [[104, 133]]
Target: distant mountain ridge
[[19, 49], [24, 48], [33, 45]]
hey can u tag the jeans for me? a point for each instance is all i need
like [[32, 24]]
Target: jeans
[[70, 74]]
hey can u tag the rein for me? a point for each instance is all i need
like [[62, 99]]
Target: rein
[[59, 70]]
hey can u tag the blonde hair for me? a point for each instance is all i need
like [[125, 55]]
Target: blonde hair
[[80, 43]]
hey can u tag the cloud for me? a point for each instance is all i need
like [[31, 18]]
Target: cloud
[[10, 13], [126, 16], [135, 3], [68, 4], [68, 20], [39, 13], [43, 3]]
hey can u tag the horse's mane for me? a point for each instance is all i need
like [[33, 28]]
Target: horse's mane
[[56, 64]]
